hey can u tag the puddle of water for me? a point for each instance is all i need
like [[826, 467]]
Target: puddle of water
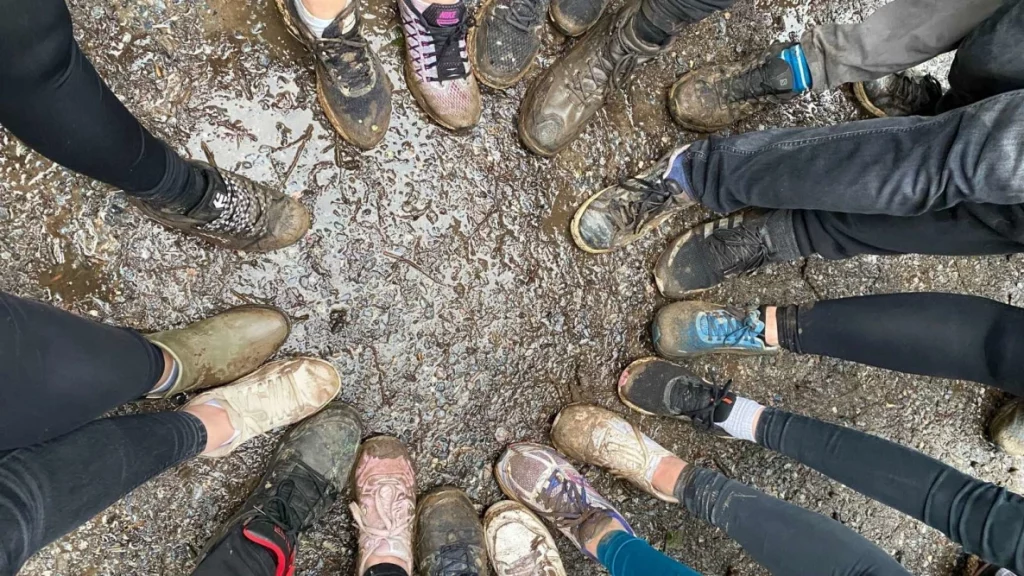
[[254, 19]]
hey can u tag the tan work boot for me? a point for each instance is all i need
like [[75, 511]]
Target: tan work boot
[[518, 543], [222, 348], [278, 394]]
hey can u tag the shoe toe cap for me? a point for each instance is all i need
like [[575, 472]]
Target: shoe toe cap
[[681, 269], [545, 136], [595, 230], [289, 222]]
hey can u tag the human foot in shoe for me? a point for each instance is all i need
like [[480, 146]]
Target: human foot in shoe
[[718, 96], [660, 388], [278, 394], [219, 349], [449, 536], [310, 468], [899, 94], [1007, 427], [353, 88], [543, 481], [687, 329], [575, 17], [437, 66], [237, 213], [710, 253], [602, 438], [560, 103], [624, 213], [518, 543], [384, 505], [506, 39]]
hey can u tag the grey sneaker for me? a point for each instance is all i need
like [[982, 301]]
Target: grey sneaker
[[506, 40]]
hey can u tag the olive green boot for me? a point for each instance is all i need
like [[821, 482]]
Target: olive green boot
[[222, 348], [1007, 428]]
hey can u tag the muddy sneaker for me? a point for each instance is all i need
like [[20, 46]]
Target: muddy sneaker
[[1007, 428], [542, 480], [237, 213], [449, 536], [278, 394], [602, 438], [518, 543], [437, 62], [975, 566], [506, 39], [384, 503], [353, 88], [718, 96], [559, 104], [310, 468], [575, 17], [222, 348], [657, 387], [621, 214], [707, 255], [899, 94], [684, 330]]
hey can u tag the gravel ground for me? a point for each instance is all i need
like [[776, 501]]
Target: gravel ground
[[440, 280]]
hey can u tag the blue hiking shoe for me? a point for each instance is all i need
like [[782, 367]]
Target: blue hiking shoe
[[687, 329]]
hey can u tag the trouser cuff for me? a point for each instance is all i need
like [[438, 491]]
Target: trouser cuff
[[779, 224], [815, 63], [699, 489], [787, 324]]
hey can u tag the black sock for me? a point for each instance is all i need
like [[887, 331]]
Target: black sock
[[195, 189], [648, 31], [787, 325]]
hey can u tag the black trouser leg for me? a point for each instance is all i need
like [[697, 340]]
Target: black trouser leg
[[988, 61], [784, 538], [49, 489], [988, 521], [942, 335], [59, 371], [236, 555], [53, 100]]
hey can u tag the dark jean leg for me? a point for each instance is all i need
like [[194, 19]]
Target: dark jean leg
[[965, 230], [59, 371], [784, 538], [988, 521], [894, 166], [988, 61], [49, 489], [933, 334], [53, 100], [238, 556]]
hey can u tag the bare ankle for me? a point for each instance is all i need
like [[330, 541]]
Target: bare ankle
[[771, 326], [219, 430], [667, 474]]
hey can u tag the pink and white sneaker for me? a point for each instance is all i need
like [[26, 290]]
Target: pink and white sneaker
[[384, 504], [437, 64]]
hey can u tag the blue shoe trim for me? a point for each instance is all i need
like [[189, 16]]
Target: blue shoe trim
[[794, 56], [715, 330]]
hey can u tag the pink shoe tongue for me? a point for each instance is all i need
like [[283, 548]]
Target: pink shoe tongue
[[444, 15]]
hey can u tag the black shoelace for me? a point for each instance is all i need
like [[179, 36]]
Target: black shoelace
[[449, 61], [740, 250], [279, 509], [751, 84], [602, 69], [702, 412], [523, 15], [455, 560], [913, 93], [354, 72], [651, 196]]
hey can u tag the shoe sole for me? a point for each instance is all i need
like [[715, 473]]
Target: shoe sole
[[673, 111], [862, 98], [413, 84], [474, 60]]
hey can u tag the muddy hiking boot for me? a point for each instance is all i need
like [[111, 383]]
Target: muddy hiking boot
[[562, 101], [506, 40], [899, 94], [518, 544], [621, 214], [309, 470], [351, 84], [237, 213], [718, 96], [688, 329], [449, 536], [657, 387], [1006, 430], [575, 17], [437, 67], [222, 348], [384, 502]]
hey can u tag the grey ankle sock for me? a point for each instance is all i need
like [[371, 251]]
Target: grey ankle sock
[[779, 224], [171, 379]]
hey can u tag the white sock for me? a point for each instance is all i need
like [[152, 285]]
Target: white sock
[[318, 25], [740, 423], [234, 436]]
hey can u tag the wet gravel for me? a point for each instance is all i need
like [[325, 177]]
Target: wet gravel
[[440, 280]]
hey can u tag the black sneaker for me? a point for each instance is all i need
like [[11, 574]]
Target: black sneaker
[[450, 537], [311, 465], [506, 39], [353, 88], [622, 214], [237, 213], [899, 94], [718, 96], [658, 387], [575, 17], [709, 254], [1007, 428]]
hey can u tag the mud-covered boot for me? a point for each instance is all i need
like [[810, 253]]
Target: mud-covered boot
[[353, 88], [561, 102], [506, 39], [237, 213], [220, 349], [717, 96], [449, 535], [575, 17], [307, 473], [899, 94], [1007, 428]]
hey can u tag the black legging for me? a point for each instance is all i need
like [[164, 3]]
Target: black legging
[[932, 334], [53, 100]]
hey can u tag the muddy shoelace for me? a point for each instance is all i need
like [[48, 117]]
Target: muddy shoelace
[[647, 197], [739, 251], [527, 565], [912, 93], [607, 66], [280, 510], [570, 506], [695, 401], [455, 560], [523, 15], [350, 60]]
